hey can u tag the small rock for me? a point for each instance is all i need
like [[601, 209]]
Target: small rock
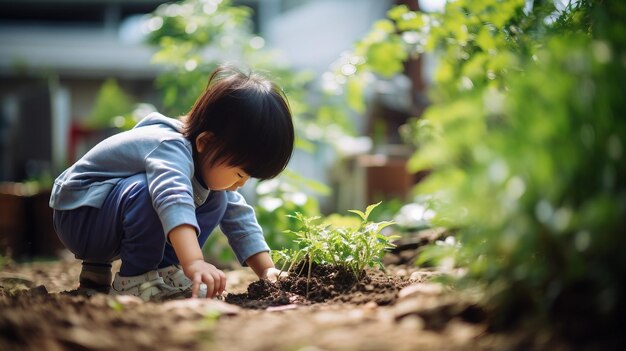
[[463, 332], [414, 305], [281, 308], [369, 287], [370, 306], [202, 306], [406, 307], [432, 289], [417, 276], [412, 322], [401, 272]]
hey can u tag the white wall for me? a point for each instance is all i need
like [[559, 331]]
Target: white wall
[[313, 35]]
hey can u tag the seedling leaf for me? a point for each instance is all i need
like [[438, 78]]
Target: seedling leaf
[[369, 210], [361, 214]]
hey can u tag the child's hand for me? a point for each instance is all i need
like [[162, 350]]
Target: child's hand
[[261, 263], [185, 244], [272, 274], [199, 272]]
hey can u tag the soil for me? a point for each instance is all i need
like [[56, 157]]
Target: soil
[[401, 309], [329, 284]]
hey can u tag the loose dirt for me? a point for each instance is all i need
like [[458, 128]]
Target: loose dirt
[[326, 284], [397, 310]]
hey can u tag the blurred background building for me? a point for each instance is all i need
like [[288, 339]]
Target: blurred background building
[[55, 55]]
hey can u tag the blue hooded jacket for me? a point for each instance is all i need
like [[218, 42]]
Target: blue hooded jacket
[[156, 147]]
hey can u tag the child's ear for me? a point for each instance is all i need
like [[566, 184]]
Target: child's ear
[[203, 140]]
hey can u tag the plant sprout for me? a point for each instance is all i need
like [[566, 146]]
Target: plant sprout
[[353, 247]]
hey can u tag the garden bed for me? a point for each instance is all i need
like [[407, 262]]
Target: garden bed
[[327, 284], [340, 313]]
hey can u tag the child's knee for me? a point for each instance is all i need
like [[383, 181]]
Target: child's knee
[[136, 201]]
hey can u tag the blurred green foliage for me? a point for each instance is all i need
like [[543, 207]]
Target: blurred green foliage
[[280, 198], [525, 135], [111, 102], [194, 37]]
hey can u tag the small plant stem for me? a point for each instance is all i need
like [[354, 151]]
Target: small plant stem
[[355, 271], [282, 267], [332, 257], [294, 261], [308, 278], [302, 269]]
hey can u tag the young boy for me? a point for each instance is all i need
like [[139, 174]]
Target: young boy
[[152, 195]]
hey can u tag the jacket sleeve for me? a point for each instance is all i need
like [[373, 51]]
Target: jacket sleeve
[[240, 226], [169, 168]]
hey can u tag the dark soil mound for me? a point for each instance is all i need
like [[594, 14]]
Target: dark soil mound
[[327, 284]]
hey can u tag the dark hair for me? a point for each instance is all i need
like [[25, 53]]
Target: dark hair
[[249, 119]]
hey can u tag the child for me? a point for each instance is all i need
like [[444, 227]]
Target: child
[[152, 195]]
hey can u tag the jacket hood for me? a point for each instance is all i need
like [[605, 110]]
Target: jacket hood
[[155, 118]]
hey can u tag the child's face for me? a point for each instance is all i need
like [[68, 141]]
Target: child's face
[[223, 177], [219, 176]]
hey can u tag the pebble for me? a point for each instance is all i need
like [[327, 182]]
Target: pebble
[[417, 276], [463, 332], [281, 308], [412, 322], [401, 272], [202, 306], [413, 305], [370, 306], [432, 289]]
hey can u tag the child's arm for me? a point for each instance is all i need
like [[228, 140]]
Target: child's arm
[[262, 264], [185, 243], [245, 236]]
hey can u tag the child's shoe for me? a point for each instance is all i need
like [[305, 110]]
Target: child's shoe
[[95, 278], [175, 277], [148, 286]]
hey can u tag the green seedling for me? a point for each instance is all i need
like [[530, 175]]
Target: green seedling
[[115, 305], [352, 247]]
